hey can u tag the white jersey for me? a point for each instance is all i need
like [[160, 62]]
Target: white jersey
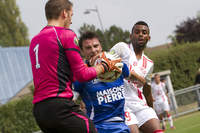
[[161, 102], [158, 92], [123, 51], [144, 67]]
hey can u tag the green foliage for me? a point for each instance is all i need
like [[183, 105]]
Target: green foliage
[[86, 28], [115, 34], [16, 117], [187, 31], [182, 60], [13, 31], [110, 37]]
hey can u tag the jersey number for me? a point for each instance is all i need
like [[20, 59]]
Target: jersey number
[[127, 116], [36, 48]]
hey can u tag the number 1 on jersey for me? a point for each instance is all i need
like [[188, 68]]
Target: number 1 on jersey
[[36, 56]]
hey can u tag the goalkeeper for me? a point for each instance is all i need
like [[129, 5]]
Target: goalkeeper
[[55, 62], [104, 100]]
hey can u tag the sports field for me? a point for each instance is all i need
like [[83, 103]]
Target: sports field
[[186, 124]]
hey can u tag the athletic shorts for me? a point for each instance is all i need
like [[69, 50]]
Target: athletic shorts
[[161, 107], [140, 117], [60, 115], [112, 127]]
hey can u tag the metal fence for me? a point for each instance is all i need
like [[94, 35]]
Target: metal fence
[[187, 99]]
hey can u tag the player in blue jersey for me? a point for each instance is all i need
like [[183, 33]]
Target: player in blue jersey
[[104, 100]]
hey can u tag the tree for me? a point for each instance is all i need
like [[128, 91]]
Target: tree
[[188, 31], [13, 31], [182, 60], [116, 34], [110, 37]]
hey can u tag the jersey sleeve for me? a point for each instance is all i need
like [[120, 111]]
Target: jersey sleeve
[[125, 71], [77, 86], [81, 72], [77, 89], [149, 75], [152, 90], [123, 51]]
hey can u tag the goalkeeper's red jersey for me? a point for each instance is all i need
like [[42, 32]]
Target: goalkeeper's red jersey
[[56, 61]]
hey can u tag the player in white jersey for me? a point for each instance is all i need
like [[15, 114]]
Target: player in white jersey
[[161, 104], [137, 95]]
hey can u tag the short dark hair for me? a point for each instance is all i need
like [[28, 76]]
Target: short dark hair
[[156, 75], [85, 36], [53, 8], [139, 23]]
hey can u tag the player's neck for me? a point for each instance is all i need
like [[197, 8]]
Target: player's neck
[[158, 82], [57, 23], [138, 53]]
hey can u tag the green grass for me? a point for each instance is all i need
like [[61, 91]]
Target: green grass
[[186, 124]]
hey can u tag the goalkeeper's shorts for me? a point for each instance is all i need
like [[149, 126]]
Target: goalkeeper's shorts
[[61, 115]]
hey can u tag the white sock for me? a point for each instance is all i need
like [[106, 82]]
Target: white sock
[[170, 121]]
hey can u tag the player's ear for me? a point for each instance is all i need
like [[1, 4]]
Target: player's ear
[[131, 35], [64, 13], [149, 38], [101, 48]]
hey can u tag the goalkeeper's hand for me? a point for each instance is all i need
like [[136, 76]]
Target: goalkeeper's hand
[[92, 60], [110, 62]]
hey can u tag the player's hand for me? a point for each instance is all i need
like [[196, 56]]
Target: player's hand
[[135, 76], [93, 59]]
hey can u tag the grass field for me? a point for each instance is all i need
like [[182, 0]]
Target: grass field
[[186, 124]]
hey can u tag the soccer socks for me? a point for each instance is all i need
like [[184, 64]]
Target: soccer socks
[[169, 117], [163, 124], [158, 131]]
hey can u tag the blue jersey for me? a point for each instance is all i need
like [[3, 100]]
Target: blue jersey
[[104, 100]]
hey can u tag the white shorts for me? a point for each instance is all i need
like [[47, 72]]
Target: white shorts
[[160, 107], [140, 117]]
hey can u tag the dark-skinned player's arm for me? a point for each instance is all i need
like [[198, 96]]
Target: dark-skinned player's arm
[[148, 94], [147, 88], [134, 76]]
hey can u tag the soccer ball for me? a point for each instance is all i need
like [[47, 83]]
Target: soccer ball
[[112, 75]]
